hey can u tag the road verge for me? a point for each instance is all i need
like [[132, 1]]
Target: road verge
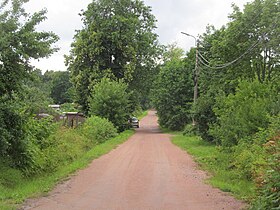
[[218, 164]]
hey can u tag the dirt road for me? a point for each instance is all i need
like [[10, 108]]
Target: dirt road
[[146, 172]]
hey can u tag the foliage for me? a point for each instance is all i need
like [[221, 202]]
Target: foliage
[[204, 114], [110, 100], [189, 130], [19, 42], [117, 38], [219, 163], [70, 107], [22, 135], [15, 188], [37, 133], [244, 113], [244, 49], [250, 39], [268, 181], [61, 88], [34, 95], [11, 130], [172, 94], [98, 129]]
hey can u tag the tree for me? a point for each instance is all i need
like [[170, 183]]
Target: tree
[[245, 49], [173, 91], [117, 38], [19, 43], [61, 88], [247, 44], [242, 114], [110, 100]]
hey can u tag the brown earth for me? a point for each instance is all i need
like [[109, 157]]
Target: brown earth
[[146, 172]]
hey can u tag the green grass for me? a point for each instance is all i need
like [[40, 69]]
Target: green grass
[[218, 163], [12, 196], [142, 114]]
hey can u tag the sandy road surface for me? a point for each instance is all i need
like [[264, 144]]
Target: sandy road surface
[[146, 172]]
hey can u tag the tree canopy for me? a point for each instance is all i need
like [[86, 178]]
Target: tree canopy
[[173, 92], [118, 39], [19, 43], [110, 100]]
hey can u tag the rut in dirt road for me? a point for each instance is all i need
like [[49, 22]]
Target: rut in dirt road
[[146, 172]]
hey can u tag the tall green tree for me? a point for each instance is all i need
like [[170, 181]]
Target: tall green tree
[[61, 88], [19, 43], [110, 100], [173, 90], [245, 49], [117, 38]]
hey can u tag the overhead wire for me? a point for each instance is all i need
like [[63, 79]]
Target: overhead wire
[[224, 65], [206, 63]]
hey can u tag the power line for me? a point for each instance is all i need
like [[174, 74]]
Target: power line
[[204, 61]]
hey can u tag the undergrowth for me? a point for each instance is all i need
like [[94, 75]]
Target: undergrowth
[[69, 153], [220, 165]]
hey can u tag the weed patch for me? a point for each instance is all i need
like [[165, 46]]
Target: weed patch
[[219, 163], [21, 187]]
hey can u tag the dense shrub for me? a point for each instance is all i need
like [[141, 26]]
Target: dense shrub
[[268, 182], [190, 130], [242, 114], [204, 115], [37, 138], [50, 146], [98, 129], [172, 95], [65, 145], [110, 100], [249, 156], [9, 177], [22, 136], [11, 129]]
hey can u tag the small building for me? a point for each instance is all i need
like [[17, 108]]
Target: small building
[[73, 119], [56, 107], [42, 116]]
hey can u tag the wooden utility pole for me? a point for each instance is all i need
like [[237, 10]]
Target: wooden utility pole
[[196, 73]]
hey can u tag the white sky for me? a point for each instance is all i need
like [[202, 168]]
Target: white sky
[[174, 16]]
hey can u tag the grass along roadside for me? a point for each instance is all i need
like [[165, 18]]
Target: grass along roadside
[[66, 151], [218, 163], [12, 197], [141, 114]]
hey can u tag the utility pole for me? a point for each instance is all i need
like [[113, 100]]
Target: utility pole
[[196, 73]]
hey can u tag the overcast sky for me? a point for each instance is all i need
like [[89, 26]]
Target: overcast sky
[[173, 16]]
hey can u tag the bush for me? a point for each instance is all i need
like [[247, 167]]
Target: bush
[[110, 100], [11, 130], [9, 177], [190, 130], [244, 113], [204, 115], [249, 158], [65, 145], [37, 138], [98, 129], [268, 183], [172, 95]]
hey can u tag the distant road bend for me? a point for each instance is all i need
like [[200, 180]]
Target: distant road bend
[[146, 172]]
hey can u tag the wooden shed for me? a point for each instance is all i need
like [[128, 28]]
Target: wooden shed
[[73, 119]]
